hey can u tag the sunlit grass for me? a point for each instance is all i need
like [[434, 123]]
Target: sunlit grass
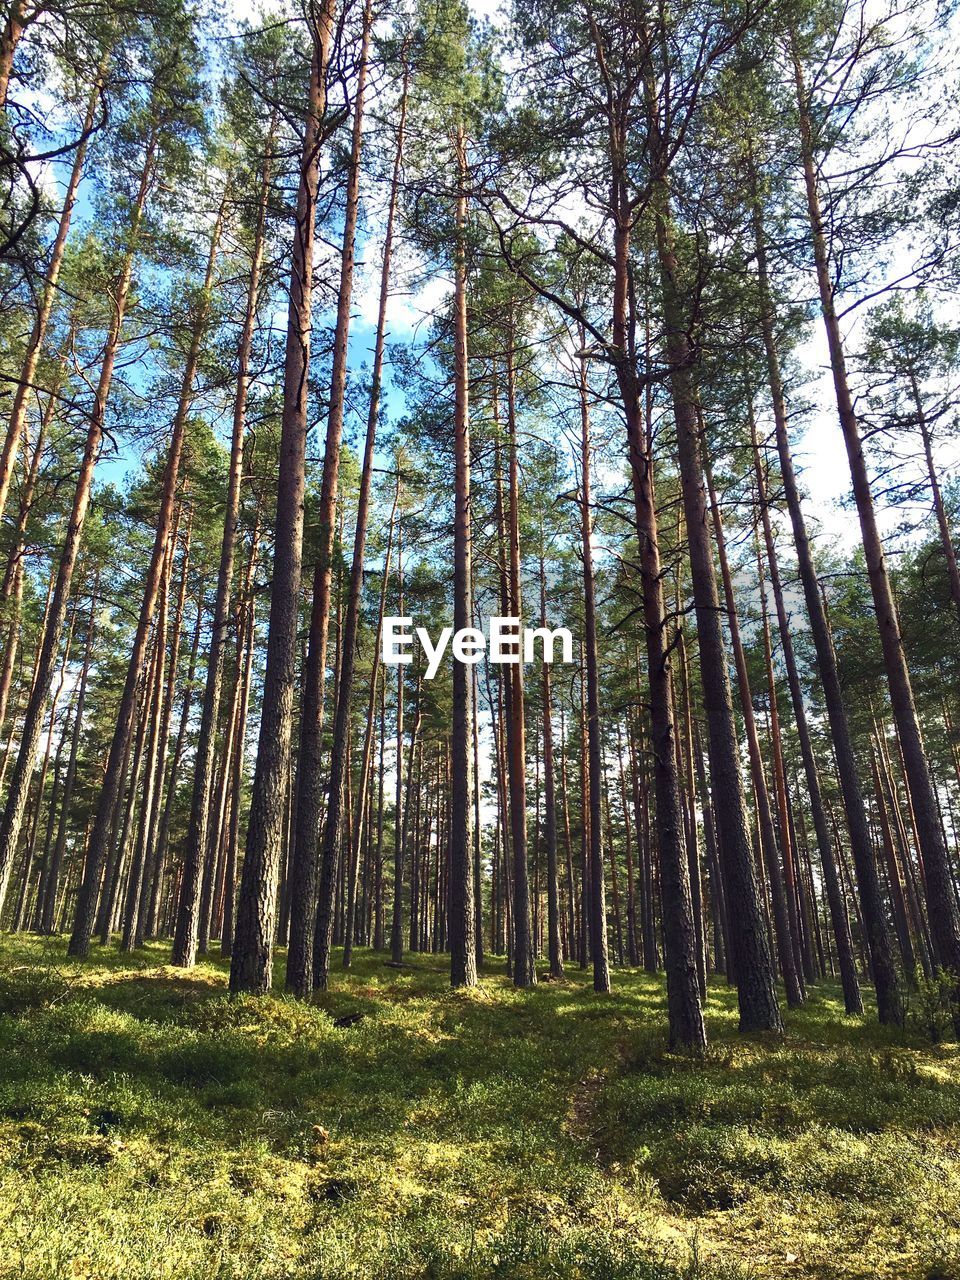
[[152, 1126]]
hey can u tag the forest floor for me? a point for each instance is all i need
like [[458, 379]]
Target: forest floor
[[152, 1127]]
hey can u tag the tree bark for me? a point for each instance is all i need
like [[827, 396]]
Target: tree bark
[[113, 776], [768, 838], [307, 915], [752, 962], [941, 903], [554, 939], [462, 921], [835, 899], [598, 896], [251, 966], [36, 706], [49, 293], [185, 936], [876, 931]]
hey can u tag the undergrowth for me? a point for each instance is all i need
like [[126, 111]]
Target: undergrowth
[[153, 1127]]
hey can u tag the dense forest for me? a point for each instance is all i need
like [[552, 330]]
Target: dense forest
[[630, 319]]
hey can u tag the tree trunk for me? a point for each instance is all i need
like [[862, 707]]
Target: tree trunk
[[755, 978], [768, 839], [13, 28], [943, 524], [374, 677], [152, 700], [37, 704], [307, 915], [462, 922], [13, 578], [941, 903], [185, 936], [304, 972], [48, 901], [835, 899], [49, 293], [113, 777], [150, 903], [27, 871], [877, 935], [554, 940], [246, 635], [396, 924], [251, 967], [598, 896]]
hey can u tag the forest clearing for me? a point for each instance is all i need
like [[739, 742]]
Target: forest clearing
[[153, 1127]]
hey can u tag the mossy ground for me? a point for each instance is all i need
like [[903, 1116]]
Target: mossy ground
[[151, 1126]]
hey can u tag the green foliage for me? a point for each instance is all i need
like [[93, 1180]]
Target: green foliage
[[929, 1009], [151, 1126]]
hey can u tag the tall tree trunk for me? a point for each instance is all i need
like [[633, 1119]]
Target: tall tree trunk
[[721, 927], [179, 746], [633, 954], [28, 857], [573, 907], [152, 708], [462, 921], [477, 831], [48, 900], [768, 837], [246, 633], [36, 707], [554, 939], [688, 784], [780, 783], [303, 971], [150, 902], [113, 776], [835, 899], [116, 863], [876, 931], [379, 913], [251, 967], [752, 962], [302, 878], [941, 903], [897, 896], [367, 757], [185, 936], [396, 923], [598, 896]]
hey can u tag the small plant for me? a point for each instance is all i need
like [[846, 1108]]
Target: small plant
[[25, 987], [931, 1008]]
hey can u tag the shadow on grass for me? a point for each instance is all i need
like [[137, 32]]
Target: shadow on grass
[[390, 1097]]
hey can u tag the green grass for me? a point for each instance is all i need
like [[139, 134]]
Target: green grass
[[151, 1127]]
